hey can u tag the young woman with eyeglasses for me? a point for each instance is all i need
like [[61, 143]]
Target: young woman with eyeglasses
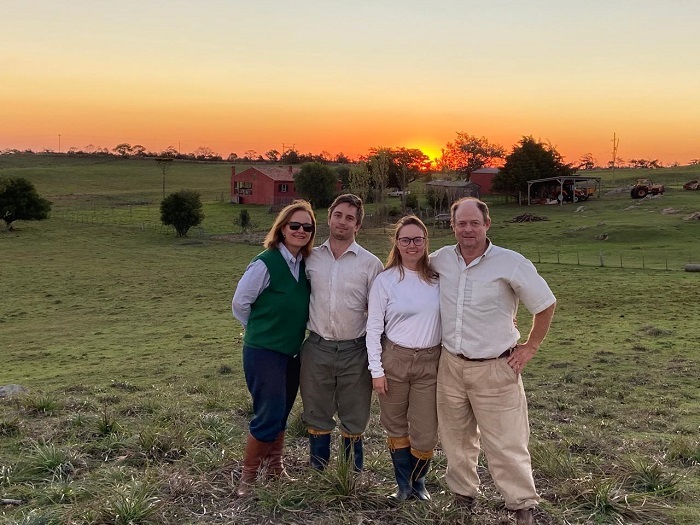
[[403, 347], [272, 303]]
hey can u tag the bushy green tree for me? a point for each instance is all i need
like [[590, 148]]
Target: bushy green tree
[[19, 201], [530, 160], [182, 210], [244, 221], [316, 183], [360, 181]]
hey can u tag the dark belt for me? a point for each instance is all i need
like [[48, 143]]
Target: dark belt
[[504, 354], [315, 338]]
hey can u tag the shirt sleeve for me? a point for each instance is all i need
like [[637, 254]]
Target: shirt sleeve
[[531, 288], [254, 280], [376, 313]]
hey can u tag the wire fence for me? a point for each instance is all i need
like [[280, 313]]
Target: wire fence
[[629, 259], [119, 219]]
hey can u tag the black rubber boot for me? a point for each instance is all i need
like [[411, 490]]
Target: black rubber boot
[[353, 449], [319, 450], [420, 467], [403, 466]]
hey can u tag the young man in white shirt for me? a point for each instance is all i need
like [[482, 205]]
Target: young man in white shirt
[[334, 373]]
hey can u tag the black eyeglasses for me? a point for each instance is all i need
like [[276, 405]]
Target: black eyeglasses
[[294, 226], [406, 241]]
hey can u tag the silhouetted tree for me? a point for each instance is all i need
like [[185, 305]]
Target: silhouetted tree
[[530, 160], [586, 162]]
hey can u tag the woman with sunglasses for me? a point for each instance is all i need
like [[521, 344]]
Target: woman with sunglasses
[[403, 347], [272, 303]]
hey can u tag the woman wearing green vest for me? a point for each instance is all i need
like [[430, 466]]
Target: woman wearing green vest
[[272, 303]]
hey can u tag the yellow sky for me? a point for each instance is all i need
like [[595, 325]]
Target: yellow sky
[[347, 76]]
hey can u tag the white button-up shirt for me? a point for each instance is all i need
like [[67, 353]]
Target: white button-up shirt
[[339, 291], [478, 302]]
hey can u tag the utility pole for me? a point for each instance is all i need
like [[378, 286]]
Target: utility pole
[[616, 143]]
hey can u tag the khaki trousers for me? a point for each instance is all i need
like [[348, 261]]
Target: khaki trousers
[[408, 408], [487, 399]]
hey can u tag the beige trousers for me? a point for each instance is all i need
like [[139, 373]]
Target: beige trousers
[[485, 399], [408, 408]]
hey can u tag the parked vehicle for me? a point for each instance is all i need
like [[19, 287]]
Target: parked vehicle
[[644, 187], [398, 193], [573, 193]]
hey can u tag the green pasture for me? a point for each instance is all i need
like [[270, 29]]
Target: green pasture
[[136, 411]]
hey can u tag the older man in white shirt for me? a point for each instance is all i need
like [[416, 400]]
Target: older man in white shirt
[[480, 391], [334, 373]]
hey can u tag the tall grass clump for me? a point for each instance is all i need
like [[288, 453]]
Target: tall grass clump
[[41, 404], [606, 500], [647, 475], [47, 462], [132, 504]]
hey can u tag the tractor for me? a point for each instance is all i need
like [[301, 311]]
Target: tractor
[[644, 187]]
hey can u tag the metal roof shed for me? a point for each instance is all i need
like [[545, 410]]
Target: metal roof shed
[[563, 181]]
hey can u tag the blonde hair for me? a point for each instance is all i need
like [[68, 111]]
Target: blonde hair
[[425, 272], [274, 236]]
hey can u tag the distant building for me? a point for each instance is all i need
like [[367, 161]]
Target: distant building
[[454, 189], [267, 185], [484, 178]]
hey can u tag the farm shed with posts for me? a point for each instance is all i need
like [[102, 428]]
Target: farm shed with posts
[[557, 190], [267, 185]]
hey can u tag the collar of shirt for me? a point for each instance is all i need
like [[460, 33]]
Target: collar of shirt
[[288, 255], [292, 262], [354, 247], [489, 245]]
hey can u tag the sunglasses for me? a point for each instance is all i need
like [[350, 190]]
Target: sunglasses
[[406, 241], [294, 226]]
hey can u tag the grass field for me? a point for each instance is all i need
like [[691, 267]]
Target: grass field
[[137, 409]]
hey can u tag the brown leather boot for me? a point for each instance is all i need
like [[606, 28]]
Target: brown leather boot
[[275, 465], [255, 452]]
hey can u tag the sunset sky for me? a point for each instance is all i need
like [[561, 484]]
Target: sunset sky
[[347, 76]]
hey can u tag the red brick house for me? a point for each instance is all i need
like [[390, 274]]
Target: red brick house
[[484, 178], [268, 185]]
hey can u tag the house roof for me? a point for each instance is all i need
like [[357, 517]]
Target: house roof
[[451, 183], [489, 171], [277, 173]]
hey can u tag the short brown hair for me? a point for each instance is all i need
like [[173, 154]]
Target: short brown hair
[[483, 207], [352, 200], [274, 236]]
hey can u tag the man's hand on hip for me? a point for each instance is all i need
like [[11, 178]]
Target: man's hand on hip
[[521, 356]]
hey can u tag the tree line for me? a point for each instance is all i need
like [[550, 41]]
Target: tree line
[[461, 156]]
